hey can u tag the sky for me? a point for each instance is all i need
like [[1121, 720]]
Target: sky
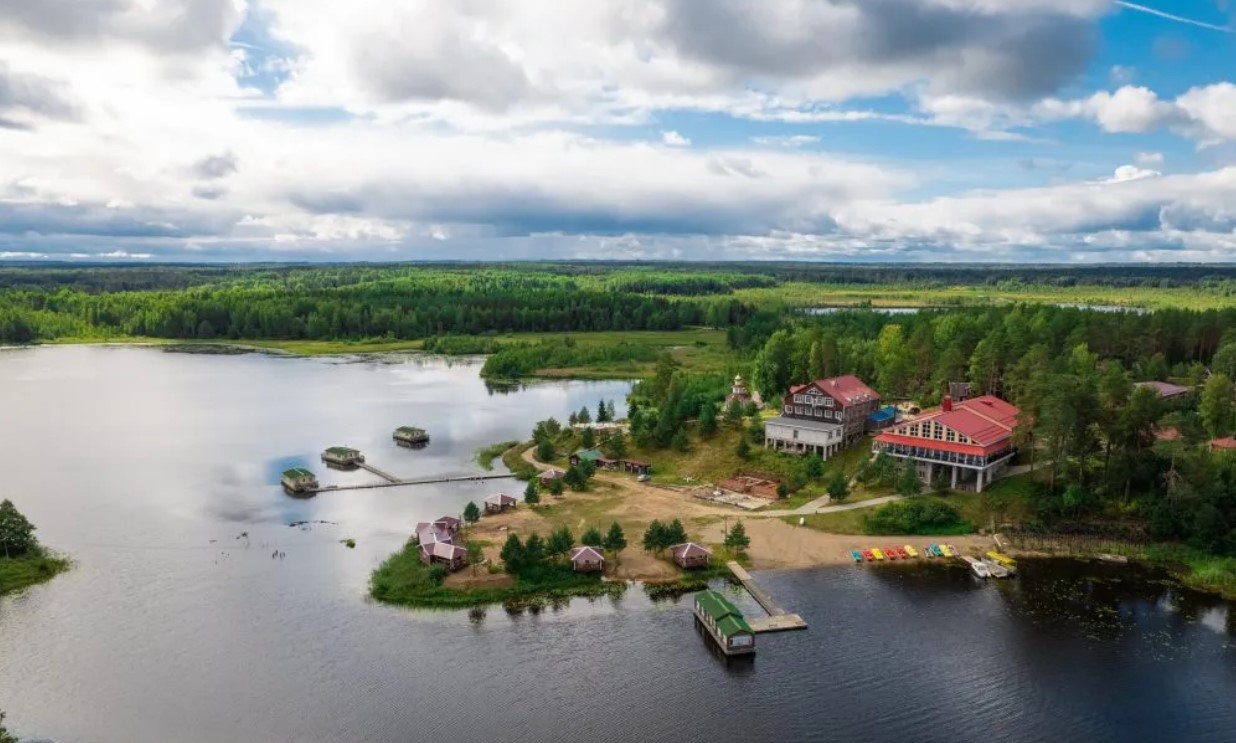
[[1056, 131]]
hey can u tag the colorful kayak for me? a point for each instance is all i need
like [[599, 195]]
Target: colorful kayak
[[1002, 559], [856, 555], [933, 550], [878, 554], [909, 548], [868, 556], [944, 550], [891, 553]]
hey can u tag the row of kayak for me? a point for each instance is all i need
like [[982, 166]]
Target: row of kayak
[[904, 552]]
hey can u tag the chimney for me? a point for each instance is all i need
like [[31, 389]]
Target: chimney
[[947, 405]]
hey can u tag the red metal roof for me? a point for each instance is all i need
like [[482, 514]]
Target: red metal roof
[[500, 499], [588, 553], [847, 388], [987, 420], [1165, 389], [1224, 443]]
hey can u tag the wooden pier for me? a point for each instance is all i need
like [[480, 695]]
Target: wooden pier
[[396, 482], [778, 619], [380, 473]]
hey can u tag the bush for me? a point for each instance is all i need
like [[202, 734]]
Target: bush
[[928, 516]]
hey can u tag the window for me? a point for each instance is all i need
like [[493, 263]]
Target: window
[[795, 433], [789, 409], [828, 402], [819, 412]]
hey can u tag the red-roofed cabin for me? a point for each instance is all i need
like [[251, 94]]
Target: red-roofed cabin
[[587, 560], [499, 503], [690, 555], [973, 438], [822, 417], [452, 556], [1224, 444]]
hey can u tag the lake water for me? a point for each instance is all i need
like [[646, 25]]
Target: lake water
[[147, 467]]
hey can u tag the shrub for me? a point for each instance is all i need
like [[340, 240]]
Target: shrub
[[917, 516]]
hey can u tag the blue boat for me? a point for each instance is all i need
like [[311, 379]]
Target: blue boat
[[858, 556]]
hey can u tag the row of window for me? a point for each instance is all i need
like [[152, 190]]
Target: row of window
[[933, 430], [812, 399], [813, 412]]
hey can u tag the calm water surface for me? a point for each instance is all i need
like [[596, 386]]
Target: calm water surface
[[148, 466]]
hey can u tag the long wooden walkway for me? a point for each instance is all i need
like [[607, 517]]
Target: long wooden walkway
[[396, 483], [778, 619], [380, 473]]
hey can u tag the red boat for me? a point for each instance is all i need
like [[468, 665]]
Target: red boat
[[891, 553], [868, 556], [901, 552]]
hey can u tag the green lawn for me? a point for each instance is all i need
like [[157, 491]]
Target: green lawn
[[19, 573]]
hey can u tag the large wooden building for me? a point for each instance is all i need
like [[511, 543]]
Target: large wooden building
[[973, 439], [823, 417]]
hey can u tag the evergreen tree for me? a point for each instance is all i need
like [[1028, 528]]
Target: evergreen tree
[[576, 478], [908, 482], [471, 513], [675, 533], [680, 441], [556, 486], [783, 490], [615, 539], [545, 450], [16, 533], [587, 439], [603, 413], [475, 555], [737, 539], [560, 542], [708, 419], [534, 552], [512, 554], [733, 414], [592, 538], [743, 450], [584, 416], [654, 537], [617, 447], [1216, 405], [532, 493]]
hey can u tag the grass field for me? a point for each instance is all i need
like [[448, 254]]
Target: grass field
[[19, 573], [797, 294]]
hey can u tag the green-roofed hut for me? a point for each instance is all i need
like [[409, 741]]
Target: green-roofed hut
[[586, 455], [411, 436], [343, 456], [299, 480], [724, 623]]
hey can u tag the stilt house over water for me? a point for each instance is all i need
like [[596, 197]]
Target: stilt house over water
[[410, 436], [343, 456], [299, 480]]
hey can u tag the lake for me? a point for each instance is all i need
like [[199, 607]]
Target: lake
[[148, 467]]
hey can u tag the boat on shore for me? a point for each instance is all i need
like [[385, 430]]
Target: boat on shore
[[996, 570], [978, 567], [1002, 560], [1117, 559]]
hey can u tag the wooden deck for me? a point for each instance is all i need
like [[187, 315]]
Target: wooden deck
[[380, 473], [778, 619]]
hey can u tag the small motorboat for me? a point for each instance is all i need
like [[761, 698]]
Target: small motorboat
[[856, 555], [909, 548], [977, 567], [878, 554], [868, 556]]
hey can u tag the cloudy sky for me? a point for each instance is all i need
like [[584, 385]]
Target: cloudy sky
[[872, 130]]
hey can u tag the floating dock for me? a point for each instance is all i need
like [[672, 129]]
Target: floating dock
[[380, 473], [778, 619]]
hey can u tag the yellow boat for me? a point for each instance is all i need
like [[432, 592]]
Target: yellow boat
[[879, 554], [946, 551], [1003, 559], [911, 551]]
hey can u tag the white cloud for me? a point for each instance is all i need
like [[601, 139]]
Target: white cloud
[[789, 140], [674, 139], [1150, 158]]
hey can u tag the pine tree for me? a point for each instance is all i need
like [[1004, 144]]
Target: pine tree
[[908, 482], [584, 416], [556, 487], [617, 447], [838, 486], [560, 542], [743, 450], [592, 537], [680, 441], [587, 439], [654, 537], [615, 539], [708, 419], [733, 414], [545, 450], [737, 538], [675, 533], [512, 554], [471, 513], [532, 494], [534, 551]]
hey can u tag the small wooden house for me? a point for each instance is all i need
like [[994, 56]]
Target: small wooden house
[[343, 456], [299, 480], [410, 436], [635, 466], [690, 555], [428, 532], [587, 560], [549, 476], [499, 503], [449, 523], [452, 556], [724, 623]]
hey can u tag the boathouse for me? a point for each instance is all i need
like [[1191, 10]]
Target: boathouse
[[299, 480], [724, 623], [343, 456], [973, 439], [587, 560], [823, 417], [452, 556], [690, 555], [410, 436], [499, 503]]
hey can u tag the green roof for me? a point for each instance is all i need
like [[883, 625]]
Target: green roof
[[589, 455], [343, 450], [297, 472], [730, 626], [727, 617], [410, 429]]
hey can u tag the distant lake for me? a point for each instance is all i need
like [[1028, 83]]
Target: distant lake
[[881, 310], [147, 467]]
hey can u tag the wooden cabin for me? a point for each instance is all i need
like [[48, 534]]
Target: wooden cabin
[[410, 436], [452, 556], [722, 621], [587, 560], [635, 466], [343, 456], [299, 480], [691, 555], [592, 456], [549, 476], [499, 503], [427, 532]]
